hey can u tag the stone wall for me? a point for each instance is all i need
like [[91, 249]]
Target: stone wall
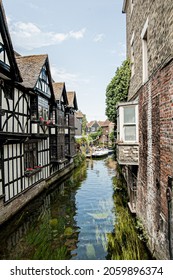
[[159, 33], [9, 209], [127, 154]]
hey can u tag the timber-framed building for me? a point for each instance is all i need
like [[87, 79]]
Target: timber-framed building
[[33, 126]]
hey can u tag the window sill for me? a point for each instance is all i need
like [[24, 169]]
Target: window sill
[[29, 173], [39, 136], [59, 161], [127, 143]]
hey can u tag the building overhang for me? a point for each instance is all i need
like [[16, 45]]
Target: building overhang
[[126, 103], [128, 153]]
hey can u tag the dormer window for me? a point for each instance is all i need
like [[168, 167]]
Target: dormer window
[[3, 54], [44, 75], [43, 109], [43, 83]]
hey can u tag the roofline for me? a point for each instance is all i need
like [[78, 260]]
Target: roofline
[[7, 40], [124, 6]]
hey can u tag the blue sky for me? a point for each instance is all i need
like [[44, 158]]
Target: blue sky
[[85, 41]]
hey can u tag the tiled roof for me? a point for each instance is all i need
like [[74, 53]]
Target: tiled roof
[[30, 67], [100, 123], [58, 90], [90, 123], [72, 102], [79, 114], [104, 123]]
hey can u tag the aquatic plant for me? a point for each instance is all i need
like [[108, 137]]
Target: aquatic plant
[[99, 216], [90, 251], [124, 242], [79, 159], [68, 231]]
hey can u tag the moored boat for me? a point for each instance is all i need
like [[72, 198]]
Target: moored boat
[[100, 153]]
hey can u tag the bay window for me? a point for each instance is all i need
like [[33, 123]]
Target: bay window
[[127, 122]]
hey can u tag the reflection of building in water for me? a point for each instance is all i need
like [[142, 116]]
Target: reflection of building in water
[[28, 219], [48, 220]]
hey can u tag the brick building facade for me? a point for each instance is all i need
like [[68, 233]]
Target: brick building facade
[[150, 49]]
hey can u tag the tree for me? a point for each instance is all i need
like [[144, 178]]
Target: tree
[[96, 135], [117, 90]]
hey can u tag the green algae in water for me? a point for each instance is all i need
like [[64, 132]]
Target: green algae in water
[[124, 243], [99, 216], [53, 223], [90, 251], [68, 231]]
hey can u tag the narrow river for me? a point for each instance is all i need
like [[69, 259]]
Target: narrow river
[[81, 218]]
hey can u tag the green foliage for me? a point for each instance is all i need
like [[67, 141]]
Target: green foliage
[[79, 159], [82, 140], [97, 134], [142, 235], [112, 136], [117, 90]]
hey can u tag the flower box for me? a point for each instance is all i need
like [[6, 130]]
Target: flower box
[[30, 171]]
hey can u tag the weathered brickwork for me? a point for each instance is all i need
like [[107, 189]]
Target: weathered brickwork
[[152, 202], [155, 99], [127, 154]]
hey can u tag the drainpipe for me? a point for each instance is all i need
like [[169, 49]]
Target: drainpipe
[[170, 215]]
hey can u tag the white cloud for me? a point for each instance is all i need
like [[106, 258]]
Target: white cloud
[[61, 75], [77, 34], [99, 38], [29, 36], [72, 80]]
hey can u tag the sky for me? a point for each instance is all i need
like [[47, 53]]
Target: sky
[[85, 42]]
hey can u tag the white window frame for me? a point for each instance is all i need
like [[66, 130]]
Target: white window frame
[[121, 125], [131, 6], [144, 37], [93, 129], [132, 55]]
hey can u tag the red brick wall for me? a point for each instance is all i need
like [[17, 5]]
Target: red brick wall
[[156, 156]]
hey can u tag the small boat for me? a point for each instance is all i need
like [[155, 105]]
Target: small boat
[[100, 153], [110, 151]]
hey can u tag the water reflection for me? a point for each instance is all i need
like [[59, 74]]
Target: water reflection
[[46, 228], [76, 219], [95, 212]]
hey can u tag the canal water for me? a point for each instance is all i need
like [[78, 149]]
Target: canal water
[[81, 218]]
